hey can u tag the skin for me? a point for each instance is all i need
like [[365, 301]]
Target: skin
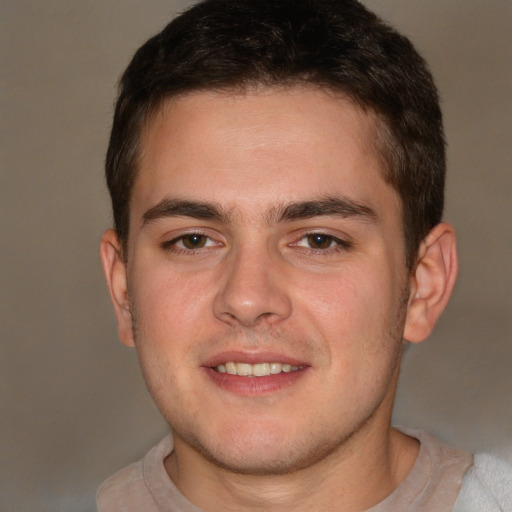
[[328, 289]]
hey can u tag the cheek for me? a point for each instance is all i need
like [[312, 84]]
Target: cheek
[[170, 303], [167, 312], [346, 301], [355, 313]]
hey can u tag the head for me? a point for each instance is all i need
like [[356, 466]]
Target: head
[[335, 45], [276, 171]]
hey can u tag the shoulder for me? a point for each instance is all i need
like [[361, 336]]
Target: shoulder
[[132, 488], [487, 486], [122, 490]]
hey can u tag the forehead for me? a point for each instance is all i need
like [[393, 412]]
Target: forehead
[[254, 149]]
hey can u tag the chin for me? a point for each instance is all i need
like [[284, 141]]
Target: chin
[[261, 452]]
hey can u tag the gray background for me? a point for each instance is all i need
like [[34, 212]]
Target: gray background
[[73, 406]]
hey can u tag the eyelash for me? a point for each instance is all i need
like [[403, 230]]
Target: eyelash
[[335, 244], [171, 245]]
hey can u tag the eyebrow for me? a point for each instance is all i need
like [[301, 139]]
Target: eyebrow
[[184, 208], [324, 206]]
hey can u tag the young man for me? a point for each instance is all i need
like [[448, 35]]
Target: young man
[[276, 171]]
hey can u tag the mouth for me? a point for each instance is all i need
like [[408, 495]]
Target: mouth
[[255, 370], [254, 374]]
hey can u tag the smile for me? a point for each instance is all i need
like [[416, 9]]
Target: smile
[[255, 370]]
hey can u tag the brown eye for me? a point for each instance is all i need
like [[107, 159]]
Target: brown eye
[[320, 241], [194, 241], [190, 244]]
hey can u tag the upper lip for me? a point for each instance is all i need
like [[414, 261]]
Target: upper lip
[[251, 358]]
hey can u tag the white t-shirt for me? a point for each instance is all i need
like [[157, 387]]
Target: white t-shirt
[[442, 478]]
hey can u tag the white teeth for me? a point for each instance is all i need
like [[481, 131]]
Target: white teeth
[[255, 370], [261, 369], [243, 369], [230, 368], [275, 368]]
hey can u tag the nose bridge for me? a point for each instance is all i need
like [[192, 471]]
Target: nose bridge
[[253, 287]]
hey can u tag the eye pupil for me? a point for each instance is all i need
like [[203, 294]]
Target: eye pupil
[[194, 241], [319, 241]]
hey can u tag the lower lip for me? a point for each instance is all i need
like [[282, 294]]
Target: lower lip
[[254, 386]]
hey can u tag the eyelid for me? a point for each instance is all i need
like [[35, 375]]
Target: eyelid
[[340, 243], [170, 242]]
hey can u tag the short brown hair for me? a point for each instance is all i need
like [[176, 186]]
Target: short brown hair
[[333, 44]]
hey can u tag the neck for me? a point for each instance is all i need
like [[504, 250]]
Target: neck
[[346, 482], [358, 474]]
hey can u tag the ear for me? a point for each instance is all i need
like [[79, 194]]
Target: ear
[[432, 282], [114, 268]]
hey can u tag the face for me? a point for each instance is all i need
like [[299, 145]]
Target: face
[[266, 276]]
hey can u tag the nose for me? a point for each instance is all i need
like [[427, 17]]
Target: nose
[[253, 290]]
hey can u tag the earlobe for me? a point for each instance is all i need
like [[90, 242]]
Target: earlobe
[[114, 268], [432, 282]]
